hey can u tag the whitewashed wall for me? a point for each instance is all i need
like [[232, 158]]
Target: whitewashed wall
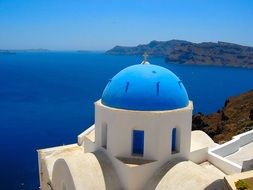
[[157, 127]]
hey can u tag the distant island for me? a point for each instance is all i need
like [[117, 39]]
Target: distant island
[[234, 118], [185, 52], [3, 51]]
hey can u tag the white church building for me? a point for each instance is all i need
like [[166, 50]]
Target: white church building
[[142, 139]]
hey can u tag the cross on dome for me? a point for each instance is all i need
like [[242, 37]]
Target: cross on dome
[[145, 60]]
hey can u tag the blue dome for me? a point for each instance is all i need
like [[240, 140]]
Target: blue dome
[[145, 87]]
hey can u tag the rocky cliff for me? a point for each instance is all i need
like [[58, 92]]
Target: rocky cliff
[[206, 53], [234, 118]]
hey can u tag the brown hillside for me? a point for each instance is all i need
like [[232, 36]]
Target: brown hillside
[[234, 118]]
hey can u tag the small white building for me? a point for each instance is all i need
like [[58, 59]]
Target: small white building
[[141, 139]]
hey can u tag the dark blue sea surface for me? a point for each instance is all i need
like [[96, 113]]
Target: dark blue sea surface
[[46, 99]]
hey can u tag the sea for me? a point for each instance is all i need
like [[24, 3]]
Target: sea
[[47, 99]]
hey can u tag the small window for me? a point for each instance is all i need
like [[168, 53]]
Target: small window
[[174, 141], [104, 135], [138, 142]]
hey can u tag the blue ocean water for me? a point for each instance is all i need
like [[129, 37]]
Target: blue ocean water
[[46, 99]]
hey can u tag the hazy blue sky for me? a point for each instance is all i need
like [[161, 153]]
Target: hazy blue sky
[[100, 25]]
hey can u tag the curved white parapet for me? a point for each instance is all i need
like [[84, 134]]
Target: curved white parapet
[[78, 173], [83, 171], [200, 140], [200, 144], [62, 178]]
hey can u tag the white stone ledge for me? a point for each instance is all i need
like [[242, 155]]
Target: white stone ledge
[[83, 135]]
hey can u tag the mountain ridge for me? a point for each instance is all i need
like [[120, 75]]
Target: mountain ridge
[[185, 52]]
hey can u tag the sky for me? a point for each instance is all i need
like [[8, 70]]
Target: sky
[[102, 24]]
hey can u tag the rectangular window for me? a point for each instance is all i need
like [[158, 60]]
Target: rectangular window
[[104, 135], [138, 142], [174, 141]]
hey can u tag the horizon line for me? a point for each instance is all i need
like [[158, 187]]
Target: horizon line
[[103, 50]]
